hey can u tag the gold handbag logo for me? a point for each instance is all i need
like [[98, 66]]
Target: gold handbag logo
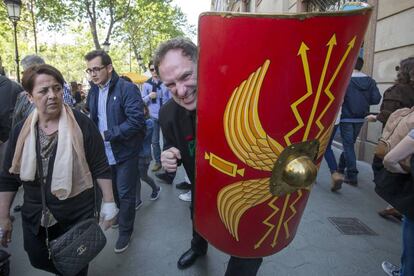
[[81, 249]]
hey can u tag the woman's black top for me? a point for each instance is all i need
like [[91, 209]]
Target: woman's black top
[[71, 210]]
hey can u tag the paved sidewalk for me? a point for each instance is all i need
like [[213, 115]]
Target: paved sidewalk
[[163, 232]]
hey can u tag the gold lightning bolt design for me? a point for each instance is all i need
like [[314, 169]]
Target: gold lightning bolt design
[[282, 217], [328, 91], [293, 209], [303, 54], [267, 223]]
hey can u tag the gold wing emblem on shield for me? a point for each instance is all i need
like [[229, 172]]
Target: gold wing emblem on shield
[[253, 146], [250, 143], [292, 167], [243, 130], [237, 198]]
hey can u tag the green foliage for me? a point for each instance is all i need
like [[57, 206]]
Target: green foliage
[[138, 27], [151, 22], [57, 13]]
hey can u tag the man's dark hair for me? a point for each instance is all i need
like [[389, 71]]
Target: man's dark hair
[[30, 74], [189, 49], [150, 63], [106, 59], [359, 63]]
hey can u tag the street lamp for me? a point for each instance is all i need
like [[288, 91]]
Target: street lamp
[[106, 45], [13, 10]]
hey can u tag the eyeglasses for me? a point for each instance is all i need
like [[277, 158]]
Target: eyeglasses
[[94, 69], [152, 69]]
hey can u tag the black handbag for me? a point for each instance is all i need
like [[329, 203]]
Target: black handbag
[[75, 249], [395, 188], [4, 263]]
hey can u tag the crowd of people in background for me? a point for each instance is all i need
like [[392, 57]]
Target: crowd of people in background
[[115, 131]]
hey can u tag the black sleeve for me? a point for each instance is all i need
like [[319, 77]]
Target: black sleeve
[[94, 149], [6, 107], [10, 182], [166, 121], [166, 126]]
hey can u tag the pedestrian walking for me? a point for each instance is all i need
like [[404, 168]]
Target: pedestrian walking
[[116, 108]]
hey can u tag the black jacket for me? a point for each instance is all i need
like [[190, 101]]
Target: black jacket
[[8, 95], [178, 128], [71, 210]]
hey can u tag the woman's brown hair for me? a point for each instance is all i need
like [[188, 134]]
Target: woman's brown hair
[[30, 74], [405, 73]]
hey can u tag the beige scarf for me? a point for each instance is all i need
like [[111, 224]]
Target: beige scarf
[[71, 174]]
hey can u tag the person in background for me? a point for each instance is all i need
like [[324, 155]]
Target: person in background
[[330, 158], [75, 93], [80, 89], [9, 90], [361, 93], [144, 162], [23, 105], [154, 95], [66, 147], [176, 63], [391, 162], [116, 108], [400, 95]]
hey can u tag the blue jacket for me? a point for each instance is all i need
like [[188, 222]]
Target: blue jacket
[[125, 115], [146, 144], [361, 92]]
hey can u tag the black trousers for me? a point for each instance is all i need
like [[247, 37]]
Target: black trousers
[[35, 246], [236, 266]]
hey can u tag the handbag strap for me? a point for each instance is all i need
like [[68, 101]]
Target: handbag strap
[[43, 191]]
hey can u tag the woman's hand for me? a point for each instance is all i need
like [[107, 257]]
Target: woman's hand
[[6, 228], [371, 118], [108, 214]]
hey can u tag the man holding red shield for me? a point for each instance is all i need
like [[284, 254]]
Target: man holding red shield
[[176, 62]]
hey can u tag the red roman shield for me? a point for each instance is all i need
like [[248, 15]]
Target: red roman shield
[[269, 89]]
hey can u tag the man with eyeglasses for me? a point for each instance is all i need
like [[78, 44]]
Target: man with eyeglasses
[[116, 107], [154, 95]]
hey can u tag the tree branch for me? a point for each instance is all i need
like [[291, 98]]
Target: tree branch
[[91, 11]]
